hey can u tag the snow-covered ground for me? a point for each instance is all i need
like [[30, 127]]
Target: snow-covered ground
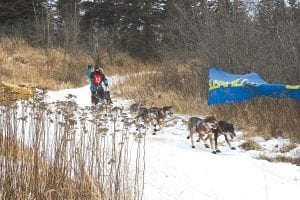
[[176, 171]]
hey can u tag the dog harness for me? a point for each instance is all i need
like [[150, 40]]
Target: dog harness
[[161, 114], [220, 129]]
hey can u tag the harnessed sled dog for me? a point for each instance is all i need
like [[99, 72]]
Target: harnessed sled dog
[[161, 115], [226, 129], [204, 129], [134, 109], [208, 127], [154, 115], [116, 112]]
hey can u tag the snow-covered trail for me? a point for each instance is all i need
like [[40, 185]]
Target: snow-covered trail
[[176, 171]]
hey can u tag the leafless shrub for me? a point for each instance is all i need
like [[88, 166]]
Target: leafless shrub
[[61, 151], [225, 34]]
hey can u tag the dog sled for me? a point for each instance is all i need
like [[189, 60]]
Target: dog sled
[[103, 98]]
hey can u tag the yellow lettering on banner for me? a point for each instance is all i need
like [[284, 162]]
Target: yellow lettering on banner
[[215, 84], [292, 87], [238, 82]]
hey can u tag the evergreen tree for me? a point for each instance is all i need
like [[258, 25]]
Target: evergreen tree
[[20, 18], [68, 22], [22, 12], [99, 26], [141, 26], [130, 25]]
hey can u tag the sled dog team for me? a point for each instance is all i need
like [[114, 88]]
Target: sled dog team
[[208, 128]]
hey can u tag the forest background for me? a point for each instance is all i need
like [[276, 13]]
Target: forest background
[[50, 42]]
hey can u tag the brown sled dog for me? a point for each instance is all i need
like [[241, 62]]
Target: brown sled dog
[[154, 115], [203, 128], [146, 115], [161, 115], [134, 109]]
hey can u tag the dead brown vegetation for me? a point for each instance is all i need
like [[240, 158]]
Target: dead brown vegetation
[[50, 68], [47, 151], [250, 145], [294, 160], [184, 88]]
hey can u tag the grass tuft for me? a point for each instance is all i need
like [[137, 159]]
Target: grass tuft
[[294, 160], [250, 145]]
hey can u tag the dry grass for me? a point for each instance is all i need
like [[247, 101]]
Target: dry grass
[[53, 68], [288, 148], [294, 160], [250, 145], [151, 88], [123, 64], [270, 117], [9, 93], [22, 161], [185, 87]]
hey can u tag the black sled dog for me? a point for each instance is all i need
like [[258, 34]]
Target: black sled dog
[[226, 129]]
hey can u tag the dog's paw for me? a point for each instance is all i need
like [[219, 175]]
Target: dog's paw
[[218, 151], [214, 152], [233, 148], [206, 146], [193, 146]]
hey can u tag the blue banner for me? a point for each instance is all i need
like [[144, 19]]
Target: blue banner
[[228, 88]]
